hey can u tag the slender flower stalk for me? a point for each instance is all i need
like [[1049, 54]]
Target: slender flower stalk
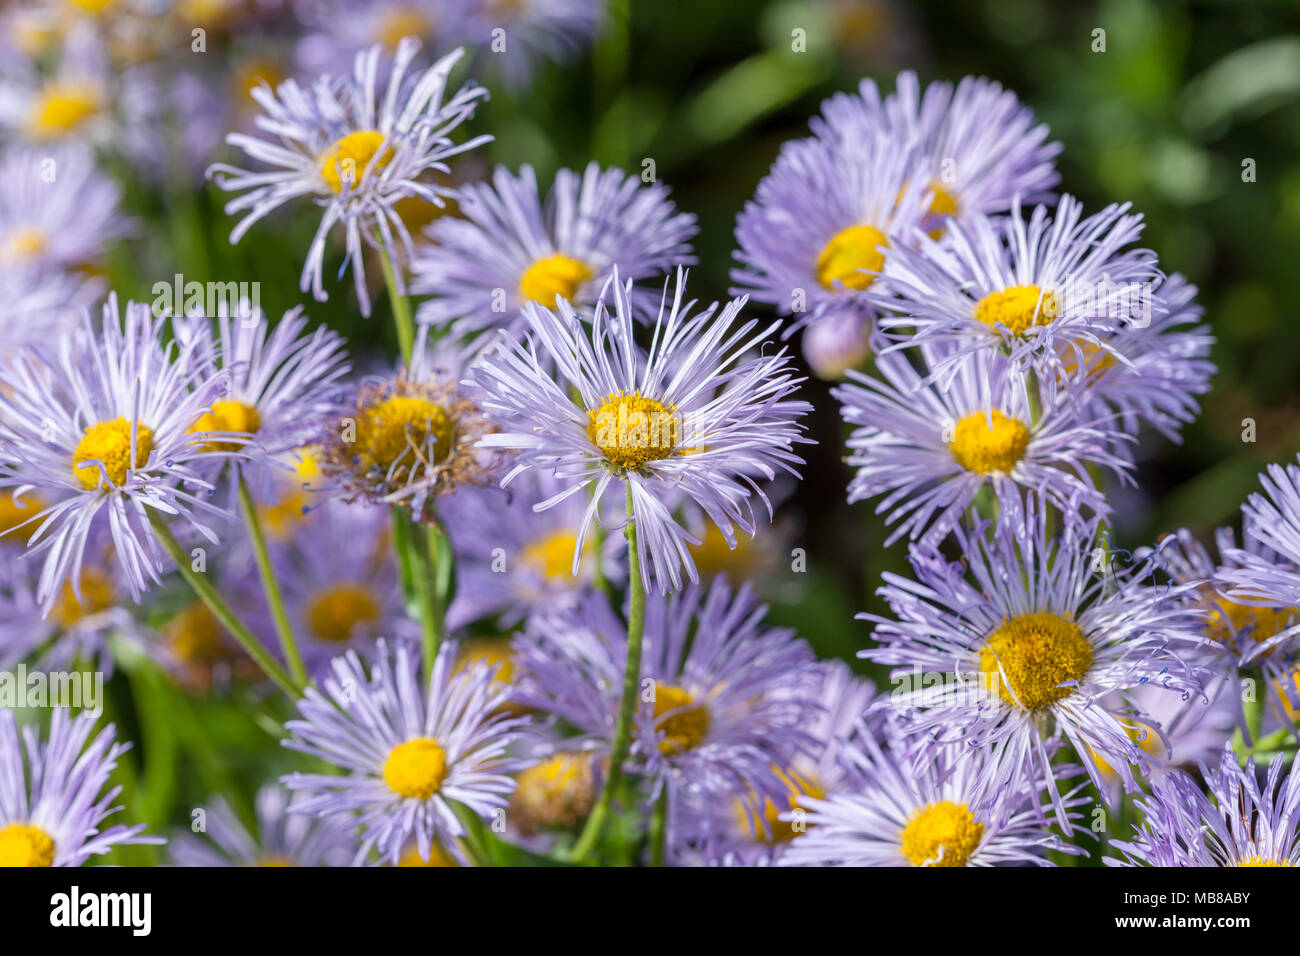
[[218, 606], [271, 585], [631, 681]]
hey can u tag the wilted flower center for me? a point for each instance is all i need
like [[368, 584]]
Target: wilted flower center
[[109, 444], [554, 277], [798, 786], [96, 595], [61, 109], [552, 555], [1019, 308], [416, 768], [228, 416], [22, 844], [557, 792], [686, 722], [632, 430], [195, 635], [345, 162], [401, 426], [336, 612], [1037, 653], [942, 834], [984, 449], [848, 252]]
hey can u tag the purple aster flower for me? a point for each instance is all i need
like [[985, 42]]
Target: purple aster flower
[[357, 151], [695, 417], [283, 838], [981, 146], [104, 430], [1047, 640], [711, 720], [410, 752], [519, 36], [822, 229], [51, 810], [337, 30], [930, 449], [507, 249], [1238, 823], [1268, 571], [1033, 288], [940, 806]]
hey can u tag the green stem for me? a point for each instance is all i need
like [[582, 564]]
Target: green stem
[[218, 606], [270, 585], [631, 685], [417, 581], [401, 308], [659, 828]]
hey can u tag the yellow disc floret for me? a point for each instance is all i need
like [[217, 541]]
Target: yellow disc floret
[[97, 594], [557, 792], [632, 430], [1019, 308], [847, 253], [109, 445], [399, 432], [1031, 655], [554, 277], [228, 416], [798, 787], [22, 844], [416, 768], [346, 161], [985, 448], [942, 834], [60, 109], [551, 556], [1261, 861], [335, 613], [684, 723]]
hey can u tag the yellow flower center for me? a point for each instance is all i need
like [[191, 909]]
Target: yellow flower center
[[1228, 620], [26, 243], [92, 6], [798, 787], [416, 768], [1094, 360], [346, 161], [1036, 653], [1261, 861], [631, 430], [684, 723], [557, 792], [982, 448], [195, 635], [437, 857], [491, 650], [398, 431], [60, 109], [22, 844], [109, 444], [227, 416], [848, 252], [275, 861], [552, 555], [942, 834], [944, 203], [335, 612], [96, 596], [400, 22], [554, 277], [14, 513], [1019, 308]]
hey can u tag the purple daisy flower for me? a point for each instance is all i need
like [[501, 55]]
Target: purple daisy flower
[[1239, 822], [1047, 640], [694, 417], [52, 808], [1268, 572], [283, 838], [410, 752], [507, 249], [930, 449], [940, 806]]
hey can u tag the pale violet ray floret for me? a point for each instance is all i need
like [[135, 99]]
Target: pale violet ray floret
[[1270, 574]]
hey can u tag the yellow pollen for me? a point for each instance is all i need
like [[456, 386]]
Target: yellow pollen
[[109, 443], [631, 430], [22, 844], [227, 416], [26, 243], [849, 251], [942, 834], [557, 792], [60, 109], [346, 161], [1037, 653], [554, 277], [1261, 861], [397, 432], [684, 723], [982, 449], [416, 768], [1019, 308], [552, 555], [798, 786], [96, 596], [335, 613]]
